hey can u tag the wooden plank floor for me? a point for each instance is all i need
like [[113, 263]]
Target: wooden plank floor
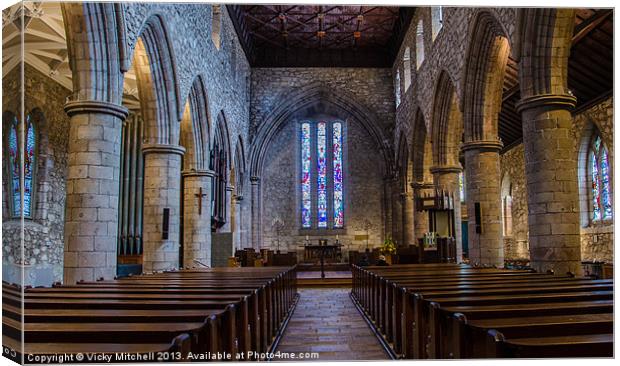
[[326, 321]]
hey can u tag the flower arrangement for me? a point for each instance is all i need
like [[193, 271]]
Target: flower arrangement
[[388, 246]]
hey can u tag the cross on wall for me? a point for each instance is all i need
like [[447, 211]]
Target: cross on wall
[[199, 195]]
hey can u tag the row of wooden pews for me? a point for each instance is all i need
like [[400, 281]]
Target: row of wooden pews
[[446, 311], [213, 314]]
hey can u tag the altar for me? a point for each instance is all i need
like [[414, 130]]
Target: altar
[[332, 253]]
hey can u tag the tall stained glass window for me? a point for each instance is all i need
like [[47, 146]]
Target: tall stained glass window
[[599, 172], [15, 167], [322, 183], [321, 148], [306, 186], [337, 166]]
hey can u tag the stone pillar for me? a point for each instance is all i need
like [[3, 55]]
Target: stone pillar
[[387, 207], [197, 219], [238, 227], [256, 235], [552, 189], [447, 179], [91, 218], [227, 227], [162, 190], [397, 213], [483, 186], [420, 218], [407, 205]]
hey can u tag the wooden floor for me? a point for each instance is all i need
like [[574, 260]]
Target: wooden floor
[[327, 322]]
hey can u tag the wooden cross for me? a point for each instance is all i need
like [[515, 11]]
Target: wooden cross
[[200, 195]]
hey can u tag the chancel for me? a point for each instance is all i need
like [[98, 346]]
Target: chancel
[[324, 182]]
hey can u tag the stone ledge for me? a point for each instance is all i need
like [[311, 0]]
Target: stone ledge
[[95, 106], [546, 100], [163, 149]]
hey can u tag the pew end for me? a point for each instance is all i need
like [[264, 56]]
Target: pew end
[[494, 344], [182, 344]]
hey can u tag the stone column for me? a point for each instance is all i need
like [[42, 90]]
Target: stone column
[[387, 207], [407, 205], [483, 187], [447, 179], [397, 213], [197, 219], [256, 235], [238, 229], [91, 218], [420, 218], [162, 190], [227, 227], [552, 189]]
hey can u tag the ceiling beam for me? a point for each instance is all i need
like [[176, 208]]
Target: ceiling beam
[[590, 24]]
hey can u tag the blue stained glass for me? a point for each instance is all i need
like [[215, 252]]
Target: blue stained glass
[[596, 194], [306, 200], [338, 184], [322, 174], [14, 165], [29, 165], [605, 186]]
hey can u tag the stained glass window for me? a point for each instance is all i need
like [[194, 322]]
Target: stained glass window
[[337, 165], [29, 165], [15, 169], [598, 164], [322, 189], [306, 186], [15, 166], [321, 147]]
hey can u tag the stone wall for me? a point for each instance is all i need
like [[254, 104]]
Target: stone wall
[[597, 239], [364, 165], [363, 185], [512, 164], [43, 235]]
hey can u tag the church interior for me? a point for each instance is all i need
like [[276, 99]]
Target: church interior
[[200, 182]]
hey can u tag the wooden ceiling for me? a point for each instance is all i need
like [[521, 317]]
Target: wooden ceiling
[[320, 35], [590, 71]]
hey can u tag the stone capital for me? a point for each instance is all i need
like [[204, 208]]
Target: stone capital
[[198, 173], [446, 169], [163, 149], [238, 198], [483, 145], [230, 188], [95, 106], [546, 100], [254, 180]]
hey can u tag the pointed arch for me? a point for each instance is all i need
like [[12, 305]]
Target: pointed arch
[[403, 161], [447, 123], [487, 57], [239, 166], [195, 127], [155, 67], [422, 154], [544, 52], [96, 48], [317, 98]]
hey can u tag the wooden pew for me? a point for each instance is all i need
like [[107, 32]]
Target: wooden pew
[[416, 297], [194, 300]]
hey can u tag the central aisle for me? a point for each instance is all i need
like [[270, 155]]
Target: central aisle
[[327, 322]]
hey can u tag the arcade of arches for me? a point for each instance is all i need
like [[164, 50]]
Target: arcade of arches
[[152, 141]]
